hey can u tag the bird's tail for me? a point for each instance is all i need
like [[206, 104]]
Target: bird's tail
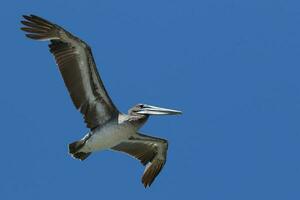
[[74, 150]]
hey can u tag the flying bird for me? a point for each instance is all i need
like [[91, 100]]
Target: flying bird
[[110, 129]]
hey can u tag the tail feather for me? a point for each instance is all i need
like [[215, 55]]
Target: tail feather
[[75, 146], [81, 155], [74, 150]]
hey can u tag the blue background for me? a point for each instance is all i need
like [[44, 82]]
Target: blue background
[[232, 67]]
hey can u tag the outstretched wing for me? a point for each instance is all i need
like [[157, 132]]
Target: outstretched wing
[[78, 69], [151, 151]]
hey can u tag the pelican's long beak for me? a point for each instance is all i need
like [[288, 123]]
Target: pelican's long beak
[[153, 110]]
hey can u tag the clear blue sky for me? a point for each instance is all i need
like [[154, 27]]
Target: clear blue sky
[[232, 66]]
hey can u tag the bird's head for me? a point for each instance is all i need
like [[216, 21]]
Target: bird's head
[[144, 109]]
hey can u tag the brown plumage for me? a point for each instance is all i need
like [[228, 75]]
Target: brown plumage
[[78, 69], [151, 151]]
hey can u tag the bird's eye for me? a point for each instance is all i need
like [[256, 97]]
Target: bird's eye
[[141, 106]]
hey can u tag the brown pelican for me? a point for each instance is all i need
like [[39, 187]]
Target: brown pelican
[[109, 128]]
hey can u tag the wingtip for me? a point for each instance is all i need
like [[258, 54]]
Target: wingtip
[[34, 36], [30, 15], [26, 17], [23, 28], [23, 22], [31, 36], [146, 184], [34, 16]]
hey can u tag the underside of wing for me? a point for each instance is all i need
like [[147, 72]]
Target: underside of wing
[[150, 151], [76, 64]]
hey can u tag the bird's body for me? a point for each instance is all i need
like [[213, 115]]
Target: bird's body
[[110, 134], [109, 128]]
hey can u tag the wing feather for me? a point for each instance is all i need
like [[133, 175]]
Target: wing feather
[[78, 69], [151, 151]]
